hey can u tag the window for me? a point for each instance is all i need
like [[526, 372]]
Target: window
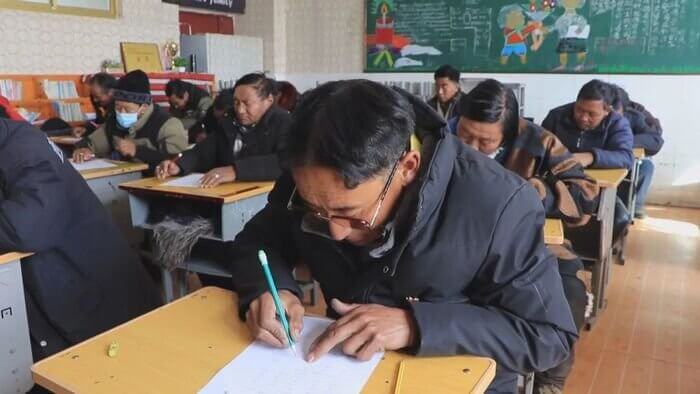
[[98, 8]]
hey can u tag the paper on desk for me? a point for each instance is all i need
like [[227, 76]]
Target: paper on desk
[[261, 369], [92, 165], [573, 32], [191, 180]]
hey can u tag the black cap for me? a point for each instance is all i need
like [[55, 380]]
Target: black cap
[[133, 87]]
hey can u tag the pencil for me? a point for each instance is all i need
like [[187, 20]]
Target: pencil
[[275, 296]]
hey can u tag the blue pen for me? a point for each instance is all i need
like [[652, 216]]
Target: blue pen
[[278, 303]]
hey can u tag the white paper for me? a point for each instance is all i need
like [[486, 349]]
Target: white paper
[[261, 369], [573, 32], [92, 165], [191, 180]]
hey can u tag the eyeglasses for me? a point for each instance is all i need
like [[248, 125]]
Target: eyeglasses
[[344, 221]]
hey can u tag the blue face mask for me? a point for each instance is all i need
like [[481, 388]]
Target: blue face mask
[[126, 119]]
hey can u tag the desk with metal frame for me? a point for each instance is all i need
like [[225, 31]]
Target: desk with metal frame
[[15, 348], [235, 203]]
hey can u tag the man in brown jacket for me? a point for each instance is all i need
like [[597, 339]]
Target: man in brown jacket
[[490, 123], [138, 129]]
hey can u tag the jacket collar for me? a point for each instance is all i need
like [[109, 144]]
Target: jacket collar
[[423, 197]]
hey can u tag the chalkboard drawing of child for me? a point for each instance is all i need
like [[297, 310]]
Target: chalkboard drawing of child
[[573, 32], [511, 19]]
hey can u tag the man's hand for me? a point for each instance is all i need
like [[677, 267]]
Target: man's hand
[[585, 158], [218, 176], [167, 168], [263, 323], [78, 131], [366, 329], [125, 146], [81, 155]]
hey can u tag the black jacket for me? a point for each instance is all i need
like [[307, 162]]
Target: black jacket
[[610, 142], [468, 244], [646, 129], [259, 157], [83, 278], [453, 109]]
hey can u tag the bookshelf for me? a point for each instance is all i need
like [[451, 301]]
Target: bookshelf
[[34, 98]]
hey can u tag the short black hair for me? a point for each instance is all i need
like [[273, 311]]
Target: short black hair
[[597, 90], [224, 100], [106, 81], [621, 100], [178, 87], [447, 71], [358, 127], [264, 85], [491, 102]]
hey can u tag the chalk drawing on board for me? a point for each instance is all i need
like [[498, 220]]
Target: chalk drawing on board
[[475, 25], [384, 45], [414, 50], [407, 62], [516, 31], [571, 45]]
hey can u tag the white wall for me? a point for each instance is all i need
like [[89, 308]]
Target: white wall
[[324, 41], [674, 99], [39, 43]]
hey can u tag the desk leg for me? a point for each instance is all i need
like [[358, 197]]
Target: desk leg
[[167, 278], [15, 349], [632, 196], [116, 201], [601, 268]]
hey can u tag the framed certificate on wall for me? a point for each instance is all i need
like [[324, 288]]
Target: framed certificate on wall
[[141, 56]]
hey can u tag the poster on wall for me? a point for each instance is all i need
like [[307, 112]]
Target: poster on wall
[[230, 6], [141, 56]]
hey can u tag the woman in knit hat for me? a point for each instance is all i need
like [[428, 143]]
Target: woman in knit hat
[[137, 129]]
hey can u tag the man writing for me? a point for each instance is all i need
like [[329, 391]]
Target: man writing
[[435, 253]]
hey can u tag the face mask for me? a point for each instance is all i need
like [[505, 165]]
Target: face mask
[[126, 119]]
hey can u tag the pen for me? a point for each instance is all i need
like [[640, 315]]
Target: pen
[[161, 170], [278, 303]]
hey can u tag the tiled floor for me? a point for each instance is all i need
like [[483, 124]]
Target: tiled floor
[[648, 338]]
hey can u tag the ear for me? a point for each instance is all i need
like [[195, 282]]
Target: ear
[[410, 163]]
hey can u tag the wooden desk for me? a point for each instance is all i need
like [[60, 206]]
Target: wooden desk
[[553, 232], [239, 201], [234, 203], [122, 167], [179, 347], [15, 348], [608, 180], [639, 153], [104, 182]]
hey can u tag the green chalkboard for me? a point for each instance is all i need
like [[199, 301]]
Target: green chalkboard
[[591, 36]]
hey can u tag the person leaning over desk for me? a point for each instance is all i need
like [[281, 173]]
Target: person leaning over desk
[[83, 277], [248, 143], [137, 129], [491, 124], [435, 253]]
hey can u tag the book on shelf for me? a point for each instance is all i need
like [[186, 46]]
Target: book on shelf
[[11, 89], [70, 112], [60, 90]]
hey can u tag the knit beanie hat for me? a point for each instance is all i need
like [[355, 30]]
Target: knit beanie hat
[[133, 87]]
